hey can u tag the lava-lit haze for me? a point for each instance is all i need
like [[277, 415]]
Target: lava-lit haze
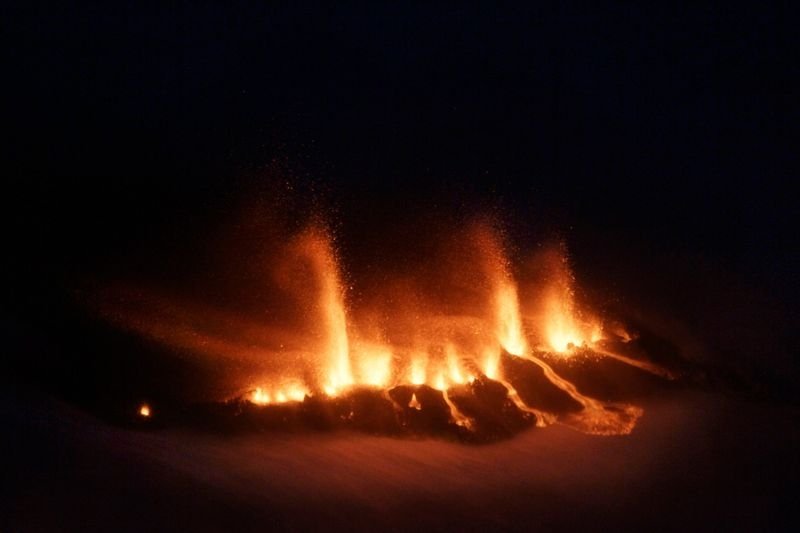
[[443, 324]]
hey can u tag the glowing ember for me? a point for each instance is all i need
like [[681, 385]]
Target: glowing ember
[[144, 411]]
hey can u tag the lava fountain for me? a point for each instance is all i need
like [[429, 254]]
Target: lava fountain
[[481, 369], [314, 245]]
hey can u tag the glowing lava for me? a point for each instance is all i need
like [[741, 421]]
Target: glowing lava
[[563, 327], [315, 243], [374, 366], [417, 371], [292, 391], [459, 418], [509, 321], [446, 350]]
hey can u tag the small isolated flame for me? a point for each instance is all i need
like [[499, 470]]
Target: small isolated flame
[[414, 403], [144, 411]]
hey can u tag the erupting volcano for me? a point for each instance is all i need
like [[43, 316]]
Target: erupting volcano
[[453, 346], [401, 266]]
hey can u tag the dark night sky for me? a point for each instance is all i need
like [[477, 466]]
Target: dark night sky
[[670, 128]]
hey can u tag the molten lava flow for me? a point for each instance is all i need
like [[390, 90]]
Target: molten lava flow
[[642, 365], [563, 332], [455, 340], [508, 323], [543, 419], [458, 417], [596, 418]]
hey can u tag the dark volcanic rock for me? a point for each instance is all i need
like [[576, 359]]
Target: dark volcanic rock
[[431, 416], [609, 379], [241, 416], [494, 415], [368, 410], [483, 410], [534, 388]]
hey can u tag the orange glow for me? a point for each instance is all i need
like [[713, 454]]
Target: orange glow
[[491, 363], [597, 418], [439, 383], [260, 396], [296, 393], [563, 327], [315, 244], [417, 370], [291, 391], [543, 419], [454, 366], [414, 403], [458, 417], [375, 366], [327, 346], [509, 322], [504, 303]]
